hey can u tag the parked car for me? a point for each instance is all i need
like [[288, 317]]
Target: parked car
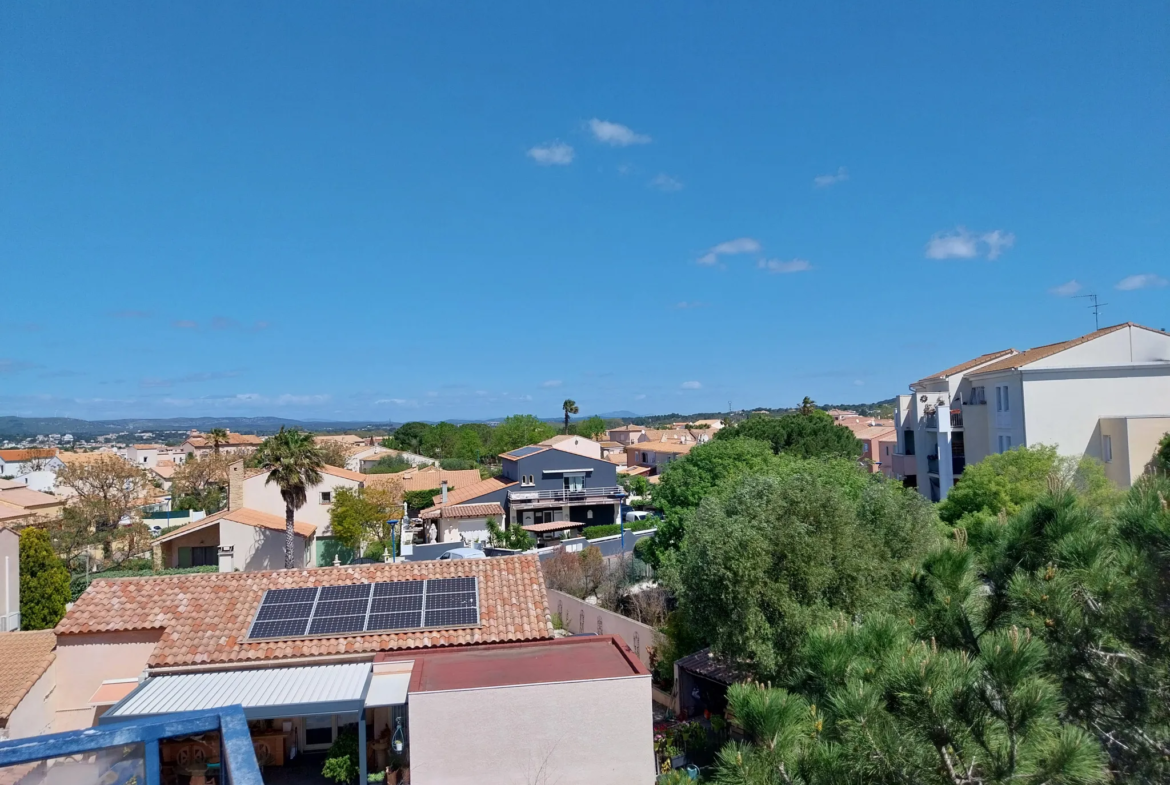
[[462, 553], [636, 515]]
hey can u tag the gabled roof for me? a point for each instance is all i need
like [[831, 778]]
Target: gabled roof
[[334, 471], [469, 492], [17, 456], [1040, 352], [421, 480], [233, 440], [205, 617], [672, 447], [464, 511], [67, 457], [245, 516], [963, 367], [26, 656]]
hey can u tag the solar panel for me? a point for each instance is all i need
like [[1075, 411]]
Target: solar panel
[[522, 451], [364, 607]]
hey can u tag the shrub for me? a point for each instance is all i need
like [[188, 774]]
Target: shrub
[[341, 762], [44, 582], [610, 529], [557, 622], [391, 464], [421, 500], [457, 464]]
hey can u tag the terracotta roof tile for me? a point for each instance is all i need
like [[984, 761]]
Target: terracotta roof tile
[[233, 440], [25, 655], [672, 447], [464, 511], [28, 499], [469, 492], [205, 616], [246, 516], [420, 480], [12, 456], [961, 367], [1040, 352]]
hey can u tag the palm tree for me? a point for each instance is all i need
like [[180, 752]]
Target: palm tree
[[808, 406], [293, 461], [217, 436], [570, 407]]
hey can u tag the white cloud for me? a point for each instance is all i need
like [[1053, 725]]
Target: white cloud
[[961, 243], [287, 399], [779, 266], [858, 383], [691, 385], [666, 183], [552, 383], [825, 180], [639, 396], [552, 154], [616, 134], [1066, 289], [395, 401], [737, 246], [1144, 281]]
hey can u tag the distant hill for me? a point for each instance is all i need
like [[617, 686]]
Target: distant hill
[[25, 427]]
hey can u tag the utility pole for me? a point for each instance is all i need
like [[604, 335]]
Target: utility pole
[[1096, 308]]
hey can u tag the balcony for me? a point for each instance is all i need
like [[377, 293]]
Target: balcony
[[956, 418], [932, 464], [958, 463], [931, 420], [904, 465], [603, 495]]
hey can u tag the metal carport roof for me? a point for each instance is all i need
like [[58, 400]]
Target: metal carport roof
[[265, 693]]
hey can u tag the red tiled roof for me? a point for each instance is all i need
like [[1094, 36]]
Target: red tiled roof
[[1040, 352], [422, 480], [333, 471], [26, 656], [29, 499], [15, 456], [246, 516], [468, 492], [233, 440], [966, 366], [205, 616], [464, 511]]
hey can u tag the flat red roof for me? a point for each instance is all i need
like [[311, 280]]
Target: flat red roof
[[503, 665]]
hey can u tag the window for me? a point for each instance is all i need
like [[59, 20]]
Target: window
[[199, 556], [1107, 448], [999, 399], [574, 483], [1006, 407], [326, 497], [144, 459], [645, 458], [1005, 443], [977, 395], [589, 515], [908, 442], [527, 479]]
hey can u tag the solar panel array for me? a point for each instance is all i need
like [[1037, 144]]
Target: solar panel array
[[436, 603]]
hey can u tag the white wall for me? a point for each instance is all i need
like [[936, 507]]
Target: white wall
[[572, 733], [579, 445], [10, 590], [466, 529], [1062, 408], [1122, 347], [266, 498], [256, 548], [36, 712]]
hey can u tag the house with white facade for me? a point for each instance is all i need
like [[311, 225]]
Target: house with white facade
[[1105, 395], [32, 468]]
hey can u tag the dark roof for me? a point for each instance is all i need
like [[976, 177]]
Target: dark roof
[[709, 666]]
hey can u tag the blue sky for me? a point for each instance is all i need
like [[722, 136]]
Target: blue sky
[[427, 210]]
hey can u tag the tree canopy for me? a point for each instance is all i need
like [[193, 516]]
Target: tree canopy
[[812, 435], [44, 582], [520, 430]]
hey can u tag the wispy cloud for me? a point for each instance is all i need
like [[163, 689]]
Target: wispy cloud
[[639, 396], [961, 243], [780, 266], [190, 378], [397, 401], [1143, 281], [691, 385], [131, 314], [666, 183], [687, 305], [616, 134], [826, 180], [186, 324], [1066, 289], [8, 366], [552, 383], [552, 154], [729, 248]]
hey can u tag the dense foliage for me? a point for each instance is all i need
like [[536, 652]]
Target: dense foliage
[[361, 517], [811, 435], [44, 582]]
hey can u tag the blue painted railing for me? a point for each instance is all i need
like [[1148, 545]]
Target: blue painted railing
[[238, 760]]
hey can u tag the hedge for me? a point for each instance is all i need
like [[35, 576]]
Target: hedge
[[608, 530], [78, 583]]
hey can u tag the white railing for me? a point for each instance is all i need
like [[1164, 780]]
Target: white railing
[[10, 623], [613, 492]]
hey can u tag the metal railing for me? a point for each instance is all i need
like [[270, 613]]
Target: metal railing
[[612, 493], [931, 420], [956, 418]]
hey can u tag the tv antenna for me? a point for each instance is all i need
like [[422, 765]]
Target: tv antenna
[[1096, 308]]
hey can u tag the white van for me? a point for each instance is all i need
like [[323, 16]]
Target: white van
[[636, 515]]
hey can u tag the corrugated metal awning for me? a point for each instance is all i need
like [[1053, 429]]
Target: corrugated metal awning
[[265, 693]]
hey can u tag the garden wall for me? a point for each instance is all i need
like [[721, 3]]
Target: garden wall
[[580, 617]]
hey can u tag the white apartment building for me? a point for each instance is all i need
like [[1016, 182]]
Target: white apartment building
[[1105, 395]]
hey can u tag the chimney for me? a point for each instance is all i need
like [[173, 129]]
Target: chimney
[[444, 487], [236, 485]]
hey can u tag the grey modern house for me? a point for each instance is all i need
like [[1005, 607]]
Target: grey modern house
[[546, 489]]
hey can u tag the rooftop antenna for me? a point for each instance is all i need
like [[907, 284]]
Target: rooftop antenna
[[1096, 308]]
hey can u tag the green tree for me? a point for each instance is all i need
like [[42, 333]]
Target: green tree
[[591, 427], [293, 463], [570, 408], [807, 406], [814, 435], [471, 441], [518, 431], [440, 441], [781, 552], [359, 516], [407, 437], [217, 437], [44, 582], [390, 464], [1161, 460]]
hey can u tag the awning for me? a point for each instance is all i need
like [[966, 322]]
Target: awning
[[265, 693], [552, 526], [387, 689], [112, 691]]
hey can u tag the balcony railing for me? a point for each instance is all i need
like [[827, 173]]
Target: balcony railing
[[931, 420], [566, 496], [932, 464], [956, 418]]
